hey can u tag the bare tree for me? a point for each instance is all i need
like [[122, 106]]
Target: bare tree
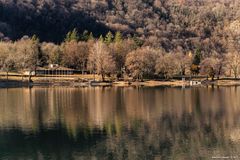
[[100, 60], [232, 62], [184, 62], [211, 66], [141, 62], [119, 50], [27, 55], [6, 57], [168, 65], [71, 54], [75, 54], [52, 52], [84, 53]]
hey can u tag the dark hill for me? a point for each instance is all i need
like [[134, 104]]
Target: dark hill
[[172, 24]]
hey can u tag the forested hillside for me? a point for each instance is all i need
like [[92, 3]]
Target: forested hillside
[[137, 38], [170, 24]]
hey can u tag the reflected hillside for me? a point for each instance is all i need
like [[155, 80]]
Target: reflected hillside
[[124, 123]]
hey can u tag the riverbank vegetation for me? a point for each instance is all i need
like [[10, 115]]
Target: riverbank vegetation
[[121, 39], [116, 57]]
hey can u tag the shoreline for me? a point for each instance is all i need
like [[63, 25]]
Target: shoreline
[[147, 83]]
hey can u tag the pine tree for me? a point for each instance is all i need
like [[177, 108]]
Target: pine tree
[[118, 37], [85, 36], [195, 69], [108, 38], [91, 37], [138, 41], [197, 57], [101, 38], [72, 36], [35, 38], [67, 39]]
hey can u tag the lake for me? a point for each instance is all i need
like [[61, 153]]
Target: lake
[[119, 123]]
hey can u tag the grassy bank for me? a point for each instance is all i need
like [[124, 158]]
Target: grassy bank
[[224, 82], [80, 80]]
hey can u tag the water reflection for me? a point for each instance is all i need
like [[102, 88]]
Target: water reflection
[[119, 123]]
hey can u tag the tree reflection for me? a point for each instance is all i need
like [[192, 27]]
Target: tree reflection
[[120, 123]]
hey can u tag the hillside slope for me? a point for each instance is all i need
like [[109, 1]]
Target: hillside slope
[[171, 24]]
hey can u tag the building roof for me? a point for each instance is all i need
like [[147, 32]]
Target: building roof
[[54, 68]]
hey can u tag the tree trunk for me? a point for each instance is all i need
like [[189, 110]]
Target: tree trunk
[[212, 78], [141, 77], [219, 72], [183, 72], [7, 76], [103, 77], [30, 77], [235, 71], [81, 68]]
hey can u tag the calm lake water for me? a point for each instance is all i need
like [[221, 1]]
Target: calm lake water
[[119, 123]]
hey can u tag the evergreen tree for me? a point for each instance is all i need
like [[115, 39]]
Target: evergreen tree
[[138, 41], [85, 36], [72, 36], [108, 38], [195, 69], [91, 37], [197, 57], [35, 38], [42, 60], [118, 37], [67, 39], [101, 39]]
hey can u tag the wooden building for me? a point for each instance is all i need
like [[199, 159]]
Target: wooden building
[[52, 69]]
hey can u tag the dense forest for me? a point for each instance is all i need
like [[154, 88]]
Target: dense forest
[[134, 36], [171, 24]]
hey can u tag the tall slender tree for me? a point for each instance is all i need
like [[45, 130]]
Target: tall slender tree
[[109, 38], [100, 60], [118, 37], [72, 36], [28, 55]]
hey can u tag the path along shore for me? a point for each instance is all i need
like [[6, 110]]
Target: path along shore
[[90, 83]]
